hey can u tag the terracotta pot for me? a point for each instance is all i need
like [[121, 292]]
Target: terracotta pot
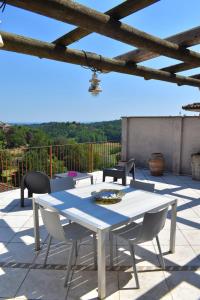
[[156, 164], [195, 163]]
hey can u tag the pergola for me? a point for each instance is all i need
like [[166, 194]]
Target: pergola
[[108, 24]]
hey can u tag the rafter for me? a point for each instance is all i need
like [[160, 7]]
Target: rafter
[[197, 76], [179, 67], [20, 44], [121, 11], [184, 39], [90, 19]]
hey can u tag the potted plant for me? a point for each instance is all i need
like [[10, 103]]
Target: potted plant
[[195, 164]]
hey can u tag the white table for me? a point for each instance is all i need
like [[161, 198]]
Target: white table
[[77, 205], [79, 176]]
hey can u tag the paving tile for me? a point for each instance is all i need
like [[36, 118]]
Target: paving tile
[[197, 251], [13, 221], [9, 198], [17, 252], [193, 223], [187, 213], [197, 210], [184, 285], [152, 286], [164, 237], [58, 254], [84, 286], [17, 298], [122, 242], [192, 236], [183, 256], [7, 233], [145, 256], [24, 212], [26, 235], [10, 281], [30, 223], [44, 284]]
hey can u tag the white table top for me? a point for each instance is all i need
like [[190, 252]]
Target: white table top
[[78, 177], [78, 205]]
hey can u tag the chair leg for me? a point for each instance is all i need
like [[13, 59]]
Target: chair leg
[[76, 248], [69, 263], [95, 251], [104, 177], [111, 250], [132, 251], [114, 179], [162, 262], [124, 180], [47, 251], [22, 197]]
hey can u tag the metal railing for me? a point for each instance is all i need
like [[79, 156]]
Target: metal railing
[[87, 157]]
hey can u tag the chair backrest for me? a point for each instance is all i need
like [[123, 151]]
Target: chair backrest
[[61, 184], [37, 182], [142, 185], [152, 224], [52, 223]]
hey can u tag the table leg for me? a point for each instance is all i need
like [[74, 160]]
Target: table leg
[[101, 264], [36, 225], [173, 228]]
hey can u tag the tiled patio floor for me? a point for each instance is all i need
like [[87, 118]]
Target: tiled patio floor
[[22, 275]]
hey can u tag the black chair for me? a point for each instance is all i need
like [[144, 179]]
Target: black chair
[[121, 171], [36, 182]]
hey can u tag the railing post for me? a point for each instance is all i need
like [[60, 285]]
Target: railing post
[[90, 157], [50, 160]]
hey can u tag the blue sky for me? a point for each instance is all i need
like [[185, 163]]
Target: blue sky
[[39, 90]]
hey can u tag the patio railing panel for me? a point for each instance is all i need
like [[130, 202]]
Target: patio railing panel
[[85, 157]]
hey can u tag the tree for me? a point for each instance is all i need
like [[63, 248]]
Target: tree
[[2, 139], [16, 137]]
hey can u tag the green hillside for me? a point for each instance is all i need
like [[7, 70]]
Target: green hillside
[[59, 133]]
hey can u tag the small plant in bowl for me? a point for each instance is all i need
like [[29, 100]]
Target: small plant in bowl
[[108, 196]]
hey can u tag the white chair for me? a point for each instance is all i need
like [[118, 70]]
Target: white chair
[[71, 232], [142, 185], [136, 233], [61, 184]]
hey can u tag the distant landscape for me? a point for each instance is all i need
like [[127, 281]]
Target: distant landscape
[[58, 133], [56, 147]]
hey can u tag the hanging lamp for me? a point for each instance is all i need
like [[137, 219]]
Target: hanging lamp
[[94, 88]]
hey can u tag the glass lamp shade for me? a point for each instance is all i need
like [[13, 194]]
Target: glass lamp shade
[[94, 88], [1, 41]]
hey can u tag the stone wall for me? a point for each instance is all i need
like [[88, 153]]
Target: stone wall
[[176, 137]]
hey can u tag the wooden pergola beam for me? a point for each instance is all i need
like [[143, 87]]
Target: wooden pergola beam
[[184, 39], [24, 45], [90, 19], [179, 67], [121, 11], [197, 76]]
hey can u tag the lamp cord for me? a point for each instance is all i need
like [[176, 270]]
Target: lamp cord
[[93, 69], [3, 6]]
